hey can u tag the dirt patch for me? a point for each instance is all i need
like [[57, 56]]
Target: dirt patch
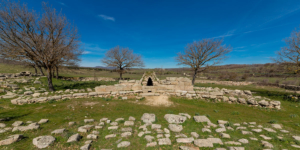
[[158, 101], [90, 103]]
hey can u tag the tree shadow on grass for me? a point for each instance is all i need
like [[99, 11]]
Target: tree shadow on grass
[[7, 116]]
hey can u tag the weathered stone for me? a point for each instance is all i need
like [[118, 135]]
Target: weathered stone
[[155, 126], [225, 136], [151, 144], [203, 143], [194, 134], [148, 118], [206, 130], [43, 141], [296, 138], [175, 128], [164, 141], [42, 121], [74, 138], [123, 144], [246, 132], [201, 119], [128, 129], [185, 114], [265, 137], [17, 123], [88, 120], [245, 141], [276, 126], [92, 136], [187, 148], [114, 124], [2, 125], [232, 143], [270, 130], [185, 140], [219, 130], [32, 126], [126, 134], [11, 139], [149, 138], [58, 131], [257, 130], [128, 123], [222, 122], [131, 118], [85, 147], [110, 136], [236, 148], [267, 144], [171, 118], [113, 128], [85, 128]]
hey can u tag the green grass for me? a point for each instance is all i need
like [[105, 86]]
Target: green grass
[[62, 112]]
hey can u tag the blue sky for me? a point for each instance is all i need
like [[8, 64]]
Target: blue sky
[[158, 30]]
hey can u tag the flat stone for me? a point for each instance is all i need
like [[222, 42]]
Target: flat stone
[[42, 121], [185, 140], [151, 144], [141, 134], [74, 138], [185, 114], [128, 123], [85, 147], [254, 139], [246, 132], [2, 125], [131, 118], [175, 128], [128, 129], [110, 136], [17, 123], [188, 148], [276, 126], [85, 128], [88, 120], [148, 118], [71, 123], [43, 141], [219, 130], [11, 139], [245, 141], [232, 143], [58, 131], [164, 141], [265, 137], [270, 130], [149, 138], [296, 146], [236, 148], [114, 124], [257, 130], [113, 128], [203, 143], [126, 134], [267, 144], [215, 140], [32, 126], [195, 134], [206, 130], [88, 142], [222, 122], [284, 131], [95, 132], [92, 136], [123, 144], [296, 138], [241, 128], [155, 126], [225, 136], [201, 119], [171, 118]]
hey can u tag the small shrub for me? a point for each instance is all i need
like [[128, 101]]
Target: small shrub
[[143, 98], [297, 124], [235, 113], [216, 111], [293, 115], [245, 76], [65, 99], [273, 121], [120, 97], [51, 101], [208, 116], [170, 112], [197, 114]]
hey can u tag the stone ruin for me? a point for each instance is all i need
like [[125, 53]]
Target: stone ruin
[[149, 85]]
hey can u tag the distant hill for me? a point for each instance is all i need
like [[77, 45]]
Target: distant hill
[[108, 68]]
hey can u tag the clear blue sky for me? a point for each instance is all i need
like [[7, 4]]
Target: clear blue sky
[[159, 29]]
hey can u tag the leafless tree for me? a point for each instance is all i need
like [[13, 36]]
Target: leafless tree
[[122, 59], [44, 39], [207, 52], [290, 54]]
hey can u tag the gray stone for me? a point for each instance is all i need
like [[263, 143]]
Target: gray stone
[[236, 148], [11, 139], [232, 143], [185, 114], [219, 130], [128, 129], [85, 147], [225, 136], [92, 136], [245, 141], [43, 141], [85, 128], [126, 134], [131, 118], [74, 138], [201, 119], [265, 137], [194, 134], [32, 126], [171, 118], [110, 136], [128, 123], [17, 123], [276, 126], [113, 128], [42, 121], [58, 131], [164, 141], [175, 128], [185, 140], [155, 126], [123, 144], [257, 130], [88, 120], [149, 138], [187, 148], [296, 138], [270, 130], [203, 143], [2, 125], [151, 144], [148, 118], [267, 144]]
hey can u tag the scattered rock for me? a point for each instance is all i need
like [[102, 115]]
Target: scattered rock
[[43, 141], [11, 139], [74, 138], [175, 128], [123, 144]]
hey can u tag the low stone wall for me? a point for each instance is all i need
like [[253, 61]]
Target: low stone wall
[[288, 87], [87, 79], [224, 82]]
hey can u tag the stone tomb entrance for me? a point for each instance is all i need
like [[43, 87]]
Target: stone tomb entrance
[[149, 82]]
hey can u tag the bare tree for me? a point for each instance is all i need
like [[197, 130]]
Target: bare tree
[[122, 59], [44, 39], [207, 52], [290, 54]]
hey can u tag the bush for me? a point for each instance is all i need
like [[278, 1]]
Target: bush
[[232, 76], [273, 121], [245, 76], [235, 113]]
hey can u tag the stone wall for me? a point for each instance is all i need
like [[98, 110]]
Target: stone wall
[[88, 79], [224, 82]]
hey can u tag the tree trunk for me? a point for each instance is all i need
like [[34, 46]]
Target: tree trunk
[[120, 75], [53, 73], [49, 77], [41, 70], [56, 72], [194, 77], [35, 69]]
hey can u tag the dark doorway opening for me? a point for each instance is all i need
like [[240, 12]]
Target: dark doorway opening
[[149, 83]]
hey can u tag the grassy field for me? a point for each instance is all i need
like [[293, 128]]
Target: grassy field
[[62, 112]]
